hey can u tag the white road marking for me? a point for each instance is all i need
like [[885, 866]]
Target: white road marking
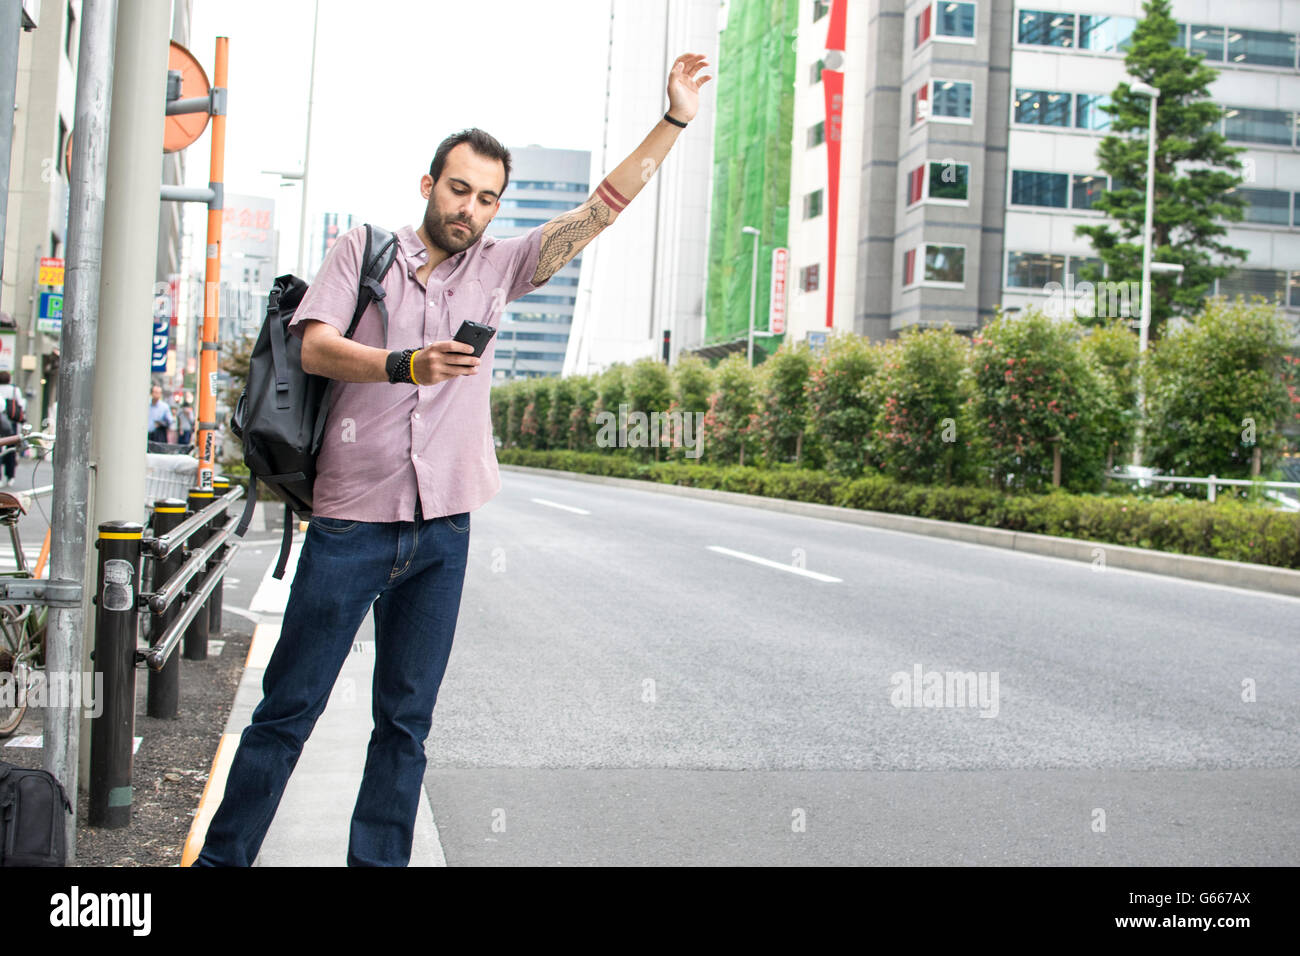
[[775, 564], [556, 504]]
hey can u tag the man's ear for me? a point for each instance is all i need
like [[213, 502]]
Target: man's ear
[[426, 185]]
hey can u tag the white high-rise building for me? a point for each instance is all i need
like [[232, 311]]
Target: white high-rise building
[[646, 274]]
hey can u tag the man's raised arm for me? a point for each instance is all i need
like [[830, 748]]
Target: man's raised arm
[[566, 235]]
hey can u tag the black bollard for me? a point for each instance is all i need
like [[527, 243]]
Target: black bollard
[[164, 695], [116, 619]]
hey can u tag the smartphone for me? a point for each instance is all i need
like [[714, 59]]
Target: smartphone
[[474, 333]]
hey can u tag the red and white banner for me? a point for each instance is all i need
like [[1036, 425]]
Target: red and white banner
[[780, 268]]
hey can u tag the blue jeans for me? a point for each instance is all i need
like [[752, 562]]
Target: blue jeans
[[412, 572]]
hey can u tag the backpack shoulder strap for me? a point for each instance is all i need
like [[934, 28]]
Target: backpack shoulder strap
[[381, 252]]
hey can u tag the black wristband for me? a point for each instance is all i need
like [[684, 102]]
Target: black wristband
[[398, 366], [674, 121]]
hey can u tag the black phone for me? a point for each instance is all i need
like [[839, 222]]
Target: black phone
[[474, 333]]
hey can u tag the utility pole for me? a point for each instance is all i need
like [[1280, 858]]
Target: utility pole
[[135, 161], [11, 20], [64, 647]]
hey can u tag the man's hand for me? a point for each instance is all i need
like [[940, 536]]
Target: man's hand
[[684, 88], [443, 360]]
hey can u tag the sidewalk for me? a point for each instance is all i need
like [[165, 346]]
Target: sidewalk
[[311, 825]]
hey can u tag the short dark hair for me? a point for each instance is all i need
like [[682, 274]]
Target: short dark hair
[[482, 143], [4, 378]]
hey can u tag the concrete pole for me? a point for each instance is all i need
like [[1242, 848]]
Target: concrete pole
[[64, 647], [135, 164], [11, 26]]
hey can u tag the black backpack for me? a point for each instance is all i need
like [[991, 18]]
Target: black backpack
[[33, 808], [280, 417]]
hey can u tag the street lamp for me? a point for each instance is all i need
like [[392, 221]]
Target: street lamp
[[306, 153], [753, 292], [1152, 94]]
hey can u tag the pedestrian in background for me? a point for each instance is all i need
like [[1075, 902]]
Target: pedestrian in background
[[13, 412], [185, 424], [160, 416]]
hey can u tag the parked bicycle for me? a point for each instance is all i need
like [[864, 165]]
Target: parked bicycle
[[22, 626]]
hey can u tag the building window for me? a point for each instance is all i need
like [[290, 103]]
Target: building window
[[1088, 112], [1262, 48], [1272, 127], [945, 264], [812, 204], [949, 181], [1269, 206], [816, 76], [1086, 189], [810, 278], [820, 9], [952, 99], [920, 103], [946, 181], [1104, 34], [1030, 188], [817, 134], [923, 26], [1042, 108], [547, 184], [1207, 41], [909, 267], [1247, 282], [1295, 216], [1033, 270], [954, 19], [1076, 264], [1044, 28]]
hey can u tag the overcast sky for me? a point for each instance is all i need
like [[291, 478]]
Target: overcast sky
[[393, 78]]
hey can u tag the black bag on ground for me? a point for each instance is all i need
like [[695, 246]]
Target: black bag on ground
[[280, 417], [33, 805]]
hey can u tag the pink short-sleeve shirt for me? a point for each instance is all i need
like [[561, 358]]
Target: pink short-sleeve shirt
[[388, 446]]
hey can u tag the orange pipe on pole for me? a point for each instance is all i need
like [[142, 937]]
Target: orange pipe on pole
[[212, 284]]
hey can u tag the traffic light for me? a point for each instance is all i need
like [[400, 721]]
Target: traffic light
[[667, 339]]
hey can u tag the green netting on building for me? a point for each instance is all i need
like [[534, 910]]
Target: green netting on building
[[751, 163]]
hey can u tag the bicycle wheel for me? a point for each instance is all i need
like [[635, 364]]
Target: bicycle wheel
[[15, 672]]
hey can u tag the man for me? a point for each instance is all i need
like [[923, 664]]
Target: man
[[407, 455], [160, 416]]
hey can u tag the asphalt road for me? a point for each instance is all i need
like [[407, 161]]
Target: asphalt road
[[622, 691]]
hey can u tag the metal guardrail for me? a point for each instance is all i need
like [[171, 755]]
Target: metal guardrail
[[189, 551], [1213, 481]]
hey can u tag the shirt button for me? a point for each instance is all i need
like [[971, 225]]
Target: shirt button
[[415, 455], [417, 415], [433, 302], [451, 291]]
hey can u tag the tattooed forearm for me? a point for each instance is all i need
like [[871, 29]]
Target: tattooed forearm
[[564, 236]]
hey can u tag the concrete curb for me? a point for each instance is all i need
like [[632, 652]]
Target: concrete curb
[[1255, 577]]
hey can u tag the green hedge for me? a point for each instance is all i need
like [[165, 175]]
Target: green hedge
[[1224, 529]]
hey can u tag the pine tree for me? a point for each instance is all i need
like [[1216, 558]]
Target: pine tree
[[1189, 202]]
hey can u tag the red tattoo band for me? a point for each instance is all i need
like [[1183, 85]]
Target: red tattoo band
[[611, 196]]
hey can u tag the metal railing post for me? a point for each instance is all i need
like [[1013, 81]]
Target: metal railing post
[[220, 487], [116, 619], [196, 635], [165, 685]]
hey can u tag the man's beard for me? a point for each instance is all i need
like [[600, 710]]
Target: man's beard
[[445, 237]]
